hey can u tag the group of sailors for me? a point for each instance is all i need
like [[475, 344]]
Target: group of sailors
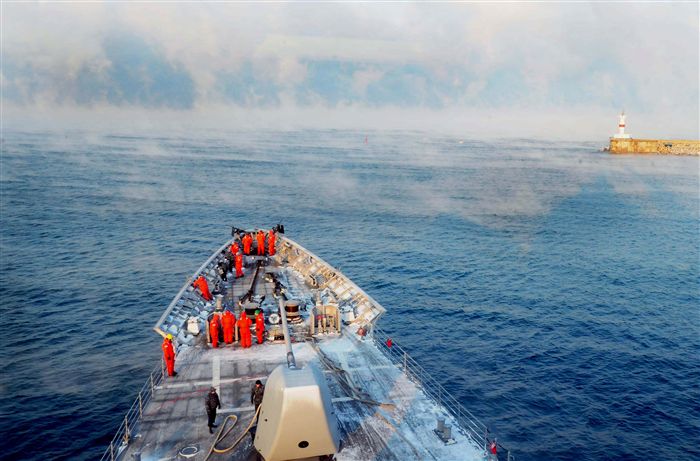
[[243, 246], [223, 327]]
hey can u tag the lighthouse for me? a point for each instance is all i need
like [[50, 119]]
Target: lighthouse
[[621, 128]]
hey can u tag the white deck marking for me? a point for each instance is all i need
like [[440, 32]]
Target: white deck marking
[[237, 409], [252, 408], [185, 384], [216, 373]]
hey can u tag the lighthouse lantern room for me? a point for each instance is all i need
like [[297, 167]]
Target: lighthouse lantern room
[[621, 128]]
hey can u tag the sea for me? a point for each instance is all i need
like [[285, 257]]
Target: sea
[[552, 288]]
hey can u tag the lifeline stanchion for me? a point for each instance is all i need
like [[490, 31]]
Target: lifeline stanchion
[[126, 430]]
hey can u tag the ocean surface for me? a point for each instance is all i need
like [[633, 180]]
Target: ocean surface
[[554, 289]]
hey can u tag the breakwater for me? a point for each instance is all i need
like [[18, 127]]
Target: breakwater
[[654, 146]]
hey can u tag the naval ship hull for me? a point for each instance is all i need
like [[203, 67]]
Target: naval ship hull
[[387, 407]]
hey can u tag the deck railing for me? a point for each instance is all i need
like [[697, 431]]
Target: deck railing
[[134, 415], [470, 424]]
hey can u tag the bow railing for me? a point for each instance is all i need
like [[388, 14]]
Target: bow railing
[[470, 424], [133, 416]]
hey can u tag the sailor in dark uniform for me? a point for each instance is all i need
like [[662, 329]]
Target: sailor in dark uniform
[[212, 403], [256, 394], [221, 268]]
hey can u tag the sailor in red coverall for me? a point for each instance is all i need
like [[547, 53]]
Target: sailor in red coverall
[[169, 354], [261, 242], [244, 329], [201, 283], [214, 331], [234, 248], [247, 242], [271, 237], [228, 320], [239, 265], [259, 326]]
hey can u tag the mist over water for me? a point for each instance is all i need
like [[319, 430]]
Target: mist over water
[[552, 288]]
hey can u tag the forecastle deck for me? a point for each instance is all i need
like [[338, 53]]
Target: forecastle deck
[[386, 405]]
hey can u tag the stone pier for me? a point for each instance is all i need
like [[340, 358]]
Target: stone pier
[[654, 146]]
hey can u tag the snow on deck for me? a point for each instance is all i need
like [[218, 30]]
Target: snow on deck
[[404, 432]]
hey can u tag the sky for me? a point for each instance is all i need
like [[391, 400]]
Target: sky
[[549, 70]]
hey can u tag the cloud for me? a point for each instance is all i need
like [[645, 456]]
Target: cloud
[[337, 49], [118, 68], [451, 58], [134, 72], [362, 78]]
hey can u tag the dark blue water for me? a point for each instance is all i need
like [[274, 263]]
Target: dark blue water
[[553, 289]]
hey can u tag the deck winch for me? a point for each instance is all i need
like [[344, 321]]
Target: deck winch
[[291, 307]]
